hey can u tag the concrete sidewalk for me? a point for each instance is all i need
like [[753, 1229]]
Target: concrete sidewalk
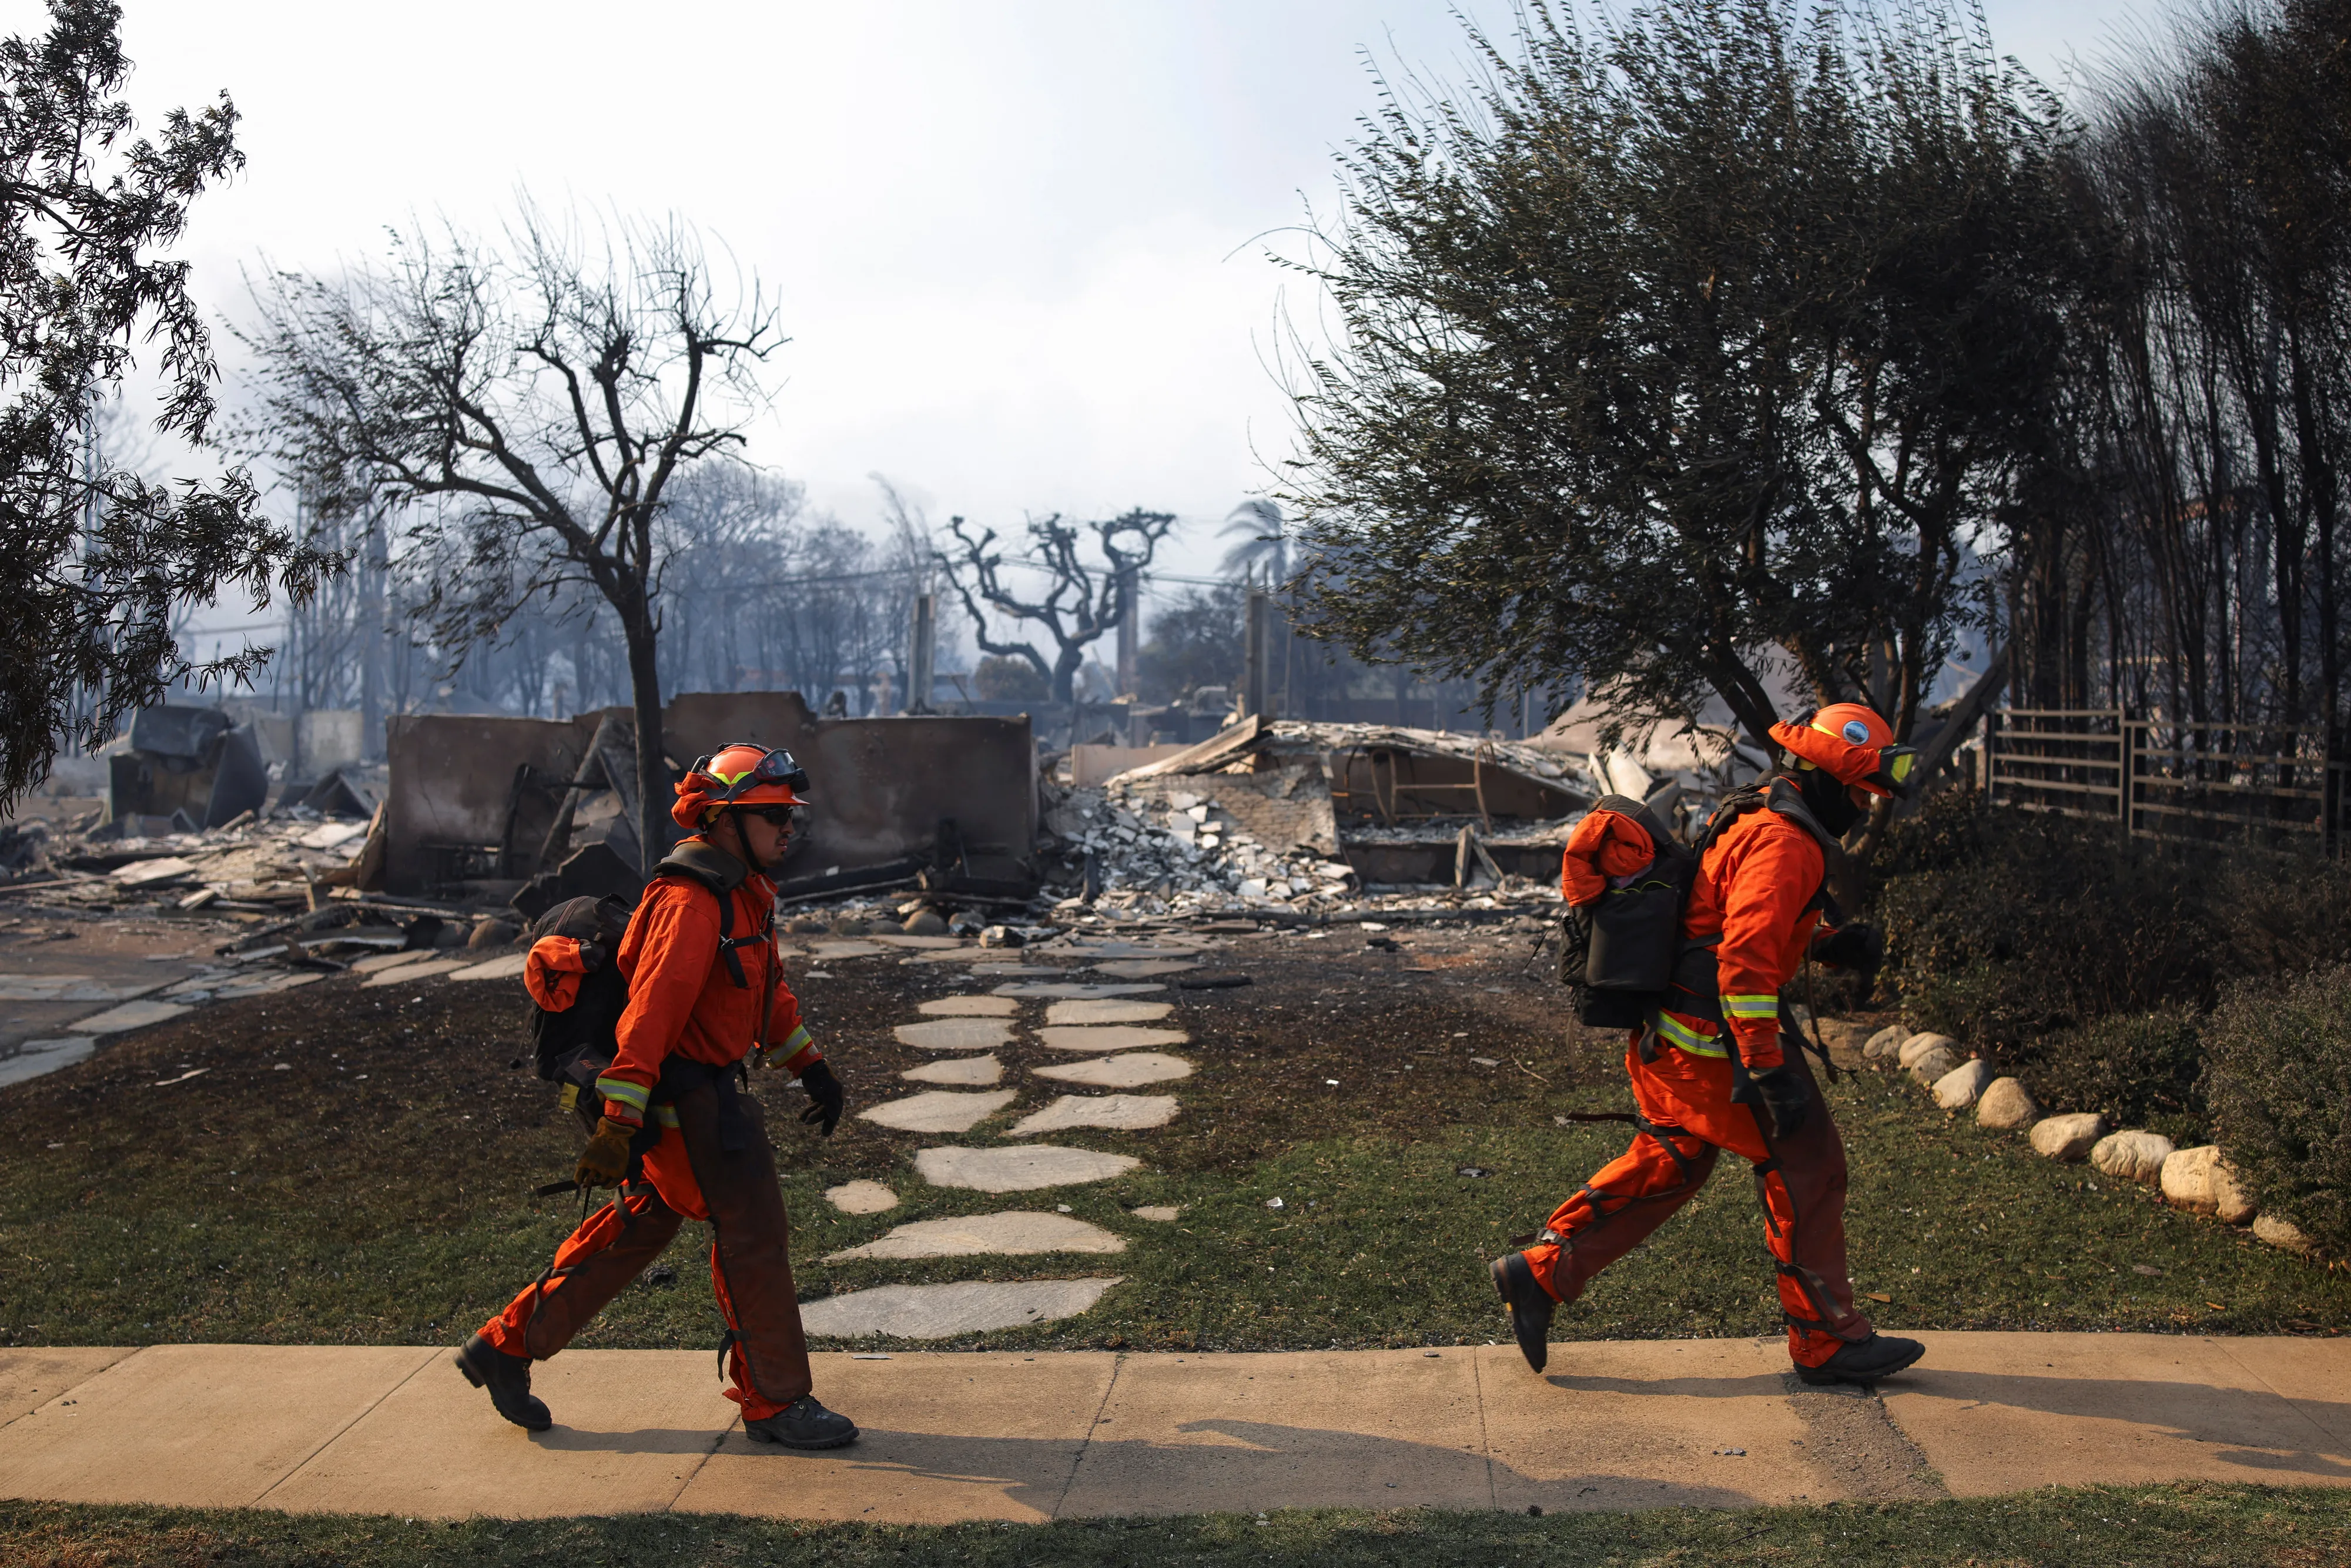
[[948, 1437]]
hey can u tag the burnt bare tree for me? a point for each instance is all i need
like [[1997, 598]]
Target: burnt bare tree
[[533, 404], [95, 561], [1082, 601]]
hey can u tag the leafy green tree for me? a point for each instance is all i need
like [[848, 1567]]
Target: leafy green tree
[[93, 563], [1706, 338]]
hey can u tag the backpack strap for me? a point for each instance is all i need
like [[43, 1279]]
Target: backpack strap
[[722, 873]]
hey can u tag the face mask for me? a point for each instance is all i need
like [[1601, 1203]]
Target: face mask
[[1829, 801]]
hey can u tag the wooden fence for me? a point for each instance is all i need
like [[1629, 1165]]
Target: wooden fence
[[2275, 786]]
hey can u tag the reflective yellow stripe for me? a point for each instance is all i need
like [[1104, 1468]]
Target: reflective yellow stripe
[[1752, 1006], [633, 1095], [1688, 1038], [796, 1042], [665, 1114]]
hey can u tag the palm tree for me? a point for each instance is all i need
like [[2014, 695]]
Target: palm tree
[[1266, 539]]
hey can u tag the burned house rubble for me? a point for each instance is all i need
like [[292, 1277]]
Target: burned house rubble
[[1319, 817]]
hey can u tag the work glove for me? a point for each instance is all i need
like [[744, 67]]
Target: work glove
[[606, 1158], [825, 1097], [1786, 1099], [1852, 947]]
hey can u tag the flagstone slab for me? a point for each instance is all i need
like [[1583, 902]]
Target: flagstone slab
[[1145, 968], [197, 1426], [970, 1007], [1133, 1071], [919, 1458], [375, 963], [1993, 1414], [506, 966], [36, 1057], [1121, 1113], [942, 1311], [70, 988], [861, 1198], [1077, 992], [1016, 1234], [130, 1016], [1159, 1213], [31, 1379], [851, 948], [954, 1034], [920, 944], [253, 985], [430, 968], [1100, 1039], [1091, 1012], [629, 1427], [1023, 1167], [966, 1071], [938, 1111]]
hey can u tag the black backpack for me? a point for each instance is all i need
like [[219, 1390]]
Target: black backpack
[[573, 1047], [1624, 957]]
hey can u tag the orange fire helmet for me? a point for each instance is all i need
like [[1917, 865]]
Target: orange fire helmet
[[1853, 744], [740, 773]]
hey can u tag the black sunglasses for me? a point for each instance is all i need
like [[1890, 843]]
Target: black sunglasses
[[788, 818]]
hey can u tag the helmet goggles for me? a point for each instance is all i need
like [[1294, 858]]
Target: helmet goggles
[[776, 767]]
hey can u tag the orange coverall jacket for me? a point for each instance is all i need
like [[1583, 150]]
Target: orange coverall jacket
[[684, 999], [1757, 885]]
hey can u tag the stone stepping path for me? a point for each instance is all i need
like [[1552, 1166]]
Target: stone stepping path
[[921, 944], [36, 1057], [1132, 1070], [1100, 1039], [1159, 1213], [1143, 968], [506, 967], [1076, 992], [861, 1198], [1107, 1012], [1018, 1234], [955, 1034], [969, 1006], [132, 1015], [1022, 1167], [1121, 1113], [408, 972], [966, 1071], [942, 1311], [852, 948], [938, 1111]]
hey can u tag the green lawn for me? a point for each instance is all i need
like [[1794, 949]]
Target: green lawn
[[249, 1205], [2117, 1527]]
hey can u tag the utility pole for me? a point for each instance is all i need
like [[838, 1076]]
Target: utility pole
[[1130, 583], [1253, 687], [921, 654]]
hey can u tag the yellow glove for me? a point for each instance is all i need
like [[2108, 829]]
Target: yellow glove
[[606, 1158]]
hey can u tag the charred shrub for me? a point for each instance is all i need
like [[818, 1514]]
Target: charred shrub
[[2082, 961], [2141, 1070], [2279, 1078], [2004, 927]]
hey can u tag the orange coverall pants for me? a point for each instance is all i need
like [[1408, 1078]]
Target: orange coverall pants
[[686, 1176], [1685, 1098]]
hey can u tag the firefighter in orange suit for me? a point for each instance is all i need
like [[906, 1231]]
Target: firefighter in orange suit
[[1712, 1070], [677, 1137]]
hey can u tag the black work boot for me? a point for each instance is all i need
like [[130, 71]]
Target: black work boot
[[1531, 1307], [803, 1423], [507, 1377], [1879, 1355]]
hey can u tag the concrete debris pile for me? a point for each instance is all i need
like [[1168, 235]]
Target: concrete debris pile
[[1319, 816], [296, 858]]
